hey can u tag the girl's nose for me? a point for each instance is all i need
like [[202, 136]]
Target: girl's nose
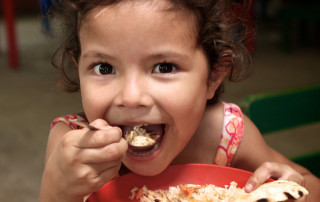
[[133, 92]]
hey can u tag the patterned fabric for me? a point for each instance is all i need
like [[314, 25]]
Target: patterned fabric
[[232, 133], [230, 139], [68, 120]]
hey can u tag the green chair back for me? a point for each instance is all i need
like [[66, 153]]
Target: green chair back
[[280, 110]]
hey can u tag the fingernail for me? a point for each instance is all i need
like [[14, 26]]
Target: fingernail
[[248, 187]]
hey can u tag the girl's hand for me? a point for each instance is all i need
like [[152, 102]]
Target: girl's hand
[[84, 160], [273, 170]]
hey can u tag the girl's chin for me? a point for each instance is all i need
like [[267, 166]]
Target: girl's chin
[[151, 169], [146, 165]]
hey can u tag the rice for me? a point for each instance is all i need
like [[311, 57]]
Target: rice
[[138, 136], [188, 192]]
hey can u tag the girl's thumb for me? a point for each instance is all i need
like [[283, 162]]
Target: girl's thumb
[[100, 124]]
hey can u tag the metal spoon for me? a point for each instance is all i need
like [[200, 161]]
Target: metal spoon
[[131, 146], [82, 124]]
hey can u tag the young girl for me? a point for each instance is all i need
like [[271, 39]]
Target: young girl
[[160, 64]]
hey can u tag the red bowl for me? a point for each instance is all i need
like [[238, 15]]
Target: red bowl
[[119, 188]]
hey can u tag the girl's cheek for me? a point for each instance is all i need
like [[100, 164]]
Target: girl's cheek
[[93, 106]]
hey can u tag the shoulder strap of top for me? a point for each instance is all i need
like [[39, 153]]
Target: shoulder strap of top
[[68, 119], [232, 133]]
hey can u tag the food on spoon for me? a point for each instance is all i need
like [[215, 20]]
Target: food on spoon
[[139, 137], [279, 190]]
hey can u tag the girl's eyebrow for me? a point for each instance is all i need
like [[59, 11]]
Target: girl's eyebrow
[[169, 54], [157, 56], [95, 54]]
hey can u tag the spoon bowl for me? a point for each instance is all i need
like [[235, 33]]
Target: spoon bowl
[[143, 147]]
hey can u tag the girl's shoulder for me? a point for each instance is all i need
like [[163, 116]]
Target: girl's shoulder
[[70, 120]]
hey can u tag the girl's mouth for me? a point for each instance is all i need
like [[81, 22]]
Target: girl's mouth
[[143, 139]]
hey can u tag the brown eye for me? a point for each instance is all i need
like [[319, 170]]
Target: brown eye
[[103, 69], [164, 68]]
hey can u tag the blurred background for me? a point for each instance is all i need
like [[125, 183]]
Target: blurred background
[[286, 54]]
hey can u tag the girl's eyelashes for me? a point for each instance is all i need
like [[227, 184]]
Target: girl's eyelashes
[[164, 68], [103, 69]]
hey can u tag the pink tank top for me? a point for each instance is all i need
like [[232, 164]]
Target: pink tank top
[[230, 138]]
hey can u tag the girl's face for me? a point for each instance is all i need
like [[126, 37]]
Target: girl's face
[[140, 64]]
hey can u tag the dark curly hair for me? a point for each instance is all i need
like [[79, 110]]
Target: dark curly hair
[[222, 30]]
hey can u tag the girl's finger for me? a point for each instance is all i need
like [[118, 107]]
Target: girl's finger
[[107, 175], [98, 138], [261, 175], [96, 175], [292, 175], [111, 152], [100, 124], [102, 167]]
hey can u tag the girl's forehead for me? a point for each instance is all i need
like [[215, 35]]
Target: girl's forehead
[[146, 9], [166, 6]]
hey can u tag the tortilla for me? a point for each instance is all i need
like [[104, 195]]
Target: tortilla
[[279, 190]]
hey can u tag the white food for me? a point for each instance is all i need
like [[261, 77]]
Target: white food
[[139, 137]]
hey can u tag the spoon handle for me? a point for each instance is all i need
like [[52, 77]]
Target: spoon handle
[[84, 125]]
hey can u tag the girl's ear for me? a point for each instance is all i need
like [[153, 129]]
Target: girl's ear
[[74, 60], [219, 71], [215, 81]]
